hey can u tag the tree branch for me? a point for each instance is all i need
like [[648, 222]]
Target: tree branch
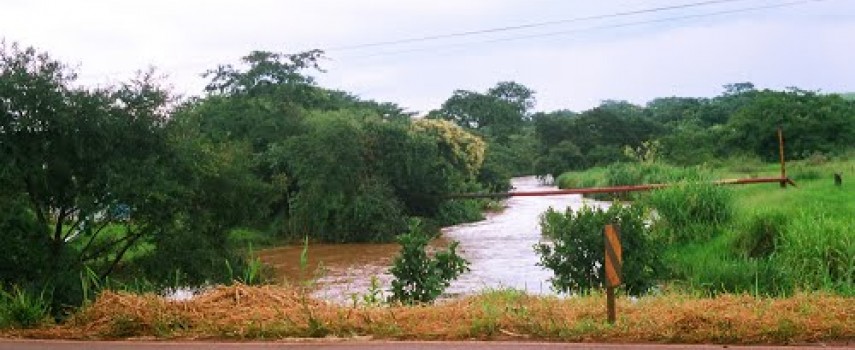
[[121, 254], [94, 235]]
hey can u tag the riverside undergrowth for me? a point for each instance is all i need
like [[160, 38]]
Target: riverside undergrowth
[[760, 239]]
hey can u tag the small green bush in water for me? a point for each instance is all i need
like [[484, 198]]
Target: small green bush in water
[[419, 278], [575, 255]]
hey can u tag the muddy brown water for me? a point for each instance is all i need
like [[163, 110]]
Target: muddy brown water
[[499, 250]]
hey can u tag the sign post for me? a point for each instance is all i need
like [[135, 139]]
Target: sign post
[[781, 154], [612, 267]]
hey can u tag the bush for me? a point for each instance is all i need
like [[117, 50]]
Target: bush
[[26, 246], [458, 211], [575, 255], [419, 278]]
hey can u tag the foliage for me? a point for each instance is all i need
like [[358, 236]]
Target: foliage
[[563, 157], [26, 254], [419, 278], [22, 308], [690, 210], [497, 113], [811, 123], [464, 150], [577, 141], [576, 252], [458, 211], [760, 236], [818, 252], [105, 180]]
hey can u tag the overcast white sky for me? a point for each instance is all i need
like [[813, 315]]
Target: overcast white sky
[[809, 45]]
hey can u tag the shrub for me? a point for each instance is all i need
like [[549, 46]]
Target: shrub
[[575, 255], [458, 211], [419, 278], [26, 245]]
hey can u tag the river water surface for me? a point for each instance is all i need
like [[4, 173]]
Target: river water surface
[[499, 250]]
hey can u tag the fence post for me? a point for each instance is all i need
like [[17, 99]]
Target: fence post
[[612, 267], [783, 162]]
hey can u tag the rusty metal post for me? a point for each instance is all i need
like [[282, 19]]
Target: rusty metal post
[[612, 267], [783, 162]]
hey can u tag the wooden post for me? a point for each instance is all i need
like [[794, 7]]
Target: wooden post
[[783, 162], [612, 267]]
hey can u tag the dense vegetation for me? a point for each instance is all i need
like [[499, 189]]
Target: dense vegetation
[[758, 239], [127, 185], [741, 122]]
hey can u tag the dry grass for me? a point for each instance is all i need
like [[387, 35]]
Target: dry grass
[[271, 312]]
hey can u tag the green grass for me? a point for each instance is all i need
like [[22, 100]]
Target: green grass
[[777, 242], [21, 308], [811, 230], [242, 238]]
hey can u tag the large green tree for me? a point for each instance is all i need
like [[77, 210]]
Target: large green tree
[[95, 174]]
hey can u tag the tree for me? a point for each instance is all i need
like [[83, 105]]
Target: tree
[[267, 73], [811, 123], [72, 152], [498, 113], [104, 173]]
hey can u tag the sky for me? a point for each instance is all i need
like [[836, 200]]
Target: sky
[[572, 65]]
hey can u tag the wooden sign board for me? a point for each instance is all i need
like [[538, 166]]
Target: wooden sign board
[[614, 259]]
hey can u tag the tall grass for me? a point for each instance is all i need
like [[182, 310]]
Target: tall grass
[[22, 308], [713, 267], [690, 211], [817, 252]]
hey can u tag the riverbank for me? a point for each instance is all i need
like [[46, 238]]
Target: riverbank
[[499, 248], [760, 239], [274, 312]]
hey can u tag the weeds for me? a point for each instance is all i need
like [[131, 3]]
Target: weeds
[[818, 252], [252, 273], [760, 236], [691, 211], [22, 308]]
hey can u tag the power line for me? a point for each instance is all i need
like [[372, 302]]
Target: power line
[[527, 26], [589, 29]]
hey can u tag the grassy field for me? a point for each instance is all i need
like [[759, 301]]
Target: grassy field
[[773, 241]]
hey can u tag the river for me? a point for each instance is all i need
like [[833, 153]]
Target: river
[[499, 250]]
